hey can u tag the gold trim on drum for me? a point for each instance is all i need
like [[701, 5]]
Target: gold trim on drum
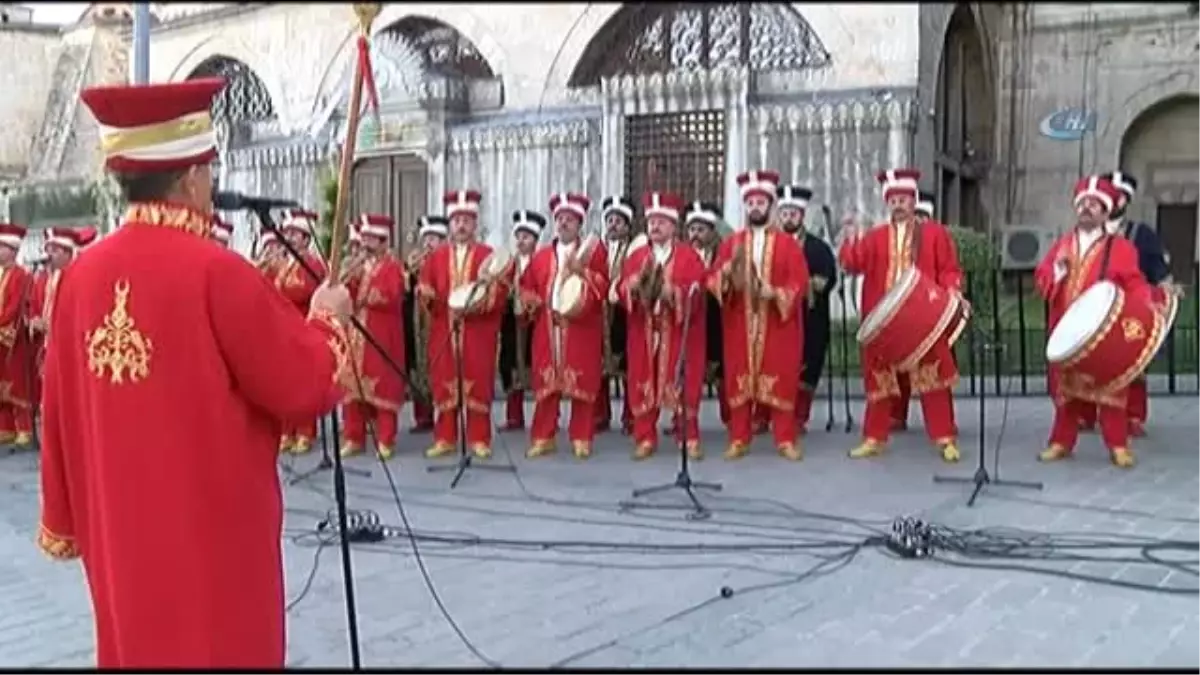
[[939, 329], [1110, 320], [1168, 316], [958, 330]]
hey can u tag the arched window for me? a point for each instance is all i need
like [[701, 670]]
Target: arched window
[[244, 98], [442, 49], [667, 37]]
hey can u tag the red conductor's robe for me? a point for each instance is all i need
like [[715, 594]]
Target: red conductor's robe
[[655, 339], [298, 286], [1083, 270], [16, 347], [447, 268], [171, 364], [374, 389]]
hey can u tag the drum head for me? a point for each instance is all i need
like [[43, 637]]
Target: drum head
[[1081, 321], [570, 294], [879, 317], [461, 296]]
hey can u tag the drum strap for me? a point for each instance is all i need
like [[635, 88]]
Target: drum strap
[[1105, 255]]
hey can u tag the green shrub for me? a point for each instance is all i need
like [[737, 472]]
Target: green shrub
[[979, 258]]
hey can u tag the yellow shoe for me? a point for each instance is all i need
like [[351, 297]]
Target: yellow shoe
[[1123, 458], [301, 445], [582, 449], [540, 448], [285, 444], [791, 451], [736, 451], [694, 451], [868, 448], [385, 453], [643, 451], [481, 451], [1054, 453], [350, 449], [439, 449], [23, 439], [950, 453], [6, 437]]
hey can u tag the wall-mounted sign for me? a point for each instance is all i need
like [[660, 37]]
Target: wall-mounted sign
[[1067, 124]]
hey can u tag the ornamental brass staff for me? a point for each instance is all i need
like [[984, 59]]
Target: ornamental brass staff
[[448, 269], [516, 345], [881, 255], [761, 278], [822, 270], [432, 233], [659, 285], [374, 390], [565, 285], [161, 416], [1079, 259]]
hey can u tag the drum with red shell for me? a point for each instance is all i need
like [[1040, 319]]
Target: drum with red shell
[[911, 319], [1108, 338]]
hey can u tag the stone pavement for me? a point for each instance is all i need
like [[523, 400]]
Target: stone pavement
[[522, 606]]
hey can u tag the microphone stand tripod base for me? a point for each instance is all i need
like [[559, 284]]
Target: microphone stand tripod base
[[326, 463], [683, 481]]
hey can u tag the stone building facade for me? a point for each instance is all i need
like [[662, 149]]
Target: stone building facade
[[1017, 101]]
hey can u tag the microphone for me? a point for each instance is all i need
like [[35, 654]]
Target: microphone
[[235, 201]]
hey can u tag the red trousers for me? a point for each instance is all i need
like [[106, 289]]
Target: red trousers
[[1114, 425], [804, 401], [15, 420], [514, 410], [355, 416], [901, 402], [741, 423], [307, 431], [645, 428], [936, 406], [422, 414], [723, 405], [581, 428], [1138, 401], [479, 428], [603, 407]]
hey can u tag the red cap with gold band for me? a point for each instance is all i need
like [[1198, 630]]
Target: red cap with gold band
[[899, 181], [299, 220], [375, 225], [221, 230], [1099, 189], [11, 235], [570, 202], [63, 238], [664, 204], [156, 127], [461, 201]]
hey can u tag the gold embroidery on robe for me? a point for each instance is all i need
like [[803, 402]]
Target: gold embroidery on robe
[[117, 346]]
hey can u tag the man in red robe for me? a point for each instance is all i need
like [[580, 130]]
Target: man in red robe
[[1082, 257], [924, 212], [61, 245], [374, 390], [298, 286], [656, 339], [172, 364], [463, 340], [221, 232], [568, 341], [881, 255], [761, 278], [516, 333], [432, 232], [620, 239], [16, 371]]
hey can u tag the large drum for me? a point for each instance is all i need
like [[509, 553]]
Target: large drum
[[568, 301], [471, 295], [1108, 337], [910, 319]]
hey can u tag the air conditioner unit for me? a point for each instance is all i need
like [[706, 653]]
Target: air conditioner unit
[[1022, 247]]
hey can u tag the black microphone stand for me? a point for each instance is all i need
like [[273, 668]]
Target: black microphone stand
[[845, 351], [465, 459], [683, 480], [981, 477], [339, 471]]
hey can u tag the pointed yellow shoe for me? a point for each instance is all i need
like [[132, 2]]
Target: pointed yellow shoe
[[1122, 458], [23, 439], [385, 453], [950, 453], [350, 449], [791, 451], [481, 451], [694, 451], [301, 445], [1054, 453], [643, 451], [285, 444], [868, 448], [582, 449], [540, 449], [439, 449], [736, 451], [6, 437]]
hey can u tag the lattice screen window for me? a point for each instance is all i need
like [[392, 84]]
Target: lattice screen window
[[678, 152], [244, 98], [667, 37]]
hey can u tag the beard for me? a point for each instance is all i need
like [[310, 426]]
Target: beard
[[791, 226], [757, 218]]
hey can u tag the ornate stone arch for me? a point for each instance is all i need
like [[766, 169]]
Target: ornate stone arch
[[244, 100], [671, 37]]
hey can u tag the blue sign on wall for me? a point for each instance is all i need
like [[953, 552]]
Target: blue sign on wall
[[1067, 124]]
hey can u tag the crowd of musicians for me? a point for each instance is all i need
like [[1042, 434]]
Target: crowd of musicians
[[582, 319]]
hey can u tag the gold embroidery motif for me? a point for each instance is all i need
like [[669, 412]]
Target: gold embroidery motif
[[1133, 329], [169, 216], [117, 345]]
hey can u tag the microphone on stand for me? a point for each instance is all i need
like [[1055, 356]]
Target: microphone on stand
[[235, 201]]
